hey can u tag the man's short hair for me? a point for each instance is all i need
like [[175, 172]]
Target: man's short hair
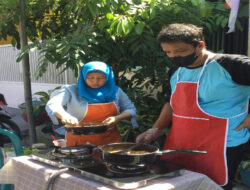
[[180, 32]]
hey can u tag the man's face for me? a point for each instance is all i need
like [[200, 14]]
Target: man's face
[[176, 49]]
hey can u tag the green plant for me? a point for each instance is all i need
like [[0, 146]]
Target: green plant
[[39, 112], [245, 165], [8, 150], [45, 96], [39, 109], [26, 151], [245, 172], [29, 151]]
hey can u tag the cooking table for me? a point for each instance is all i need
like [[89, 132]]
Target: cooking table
[[29, 174]]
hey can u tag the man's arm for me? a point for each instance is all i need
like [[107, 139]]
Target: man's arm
[[164, 118], [163, 121]]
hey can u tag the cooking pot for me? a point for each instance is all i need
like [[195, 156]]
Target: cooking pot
[[87, 128], [141, 154]]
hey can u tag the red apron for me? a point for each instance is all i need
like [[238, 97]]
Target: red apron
[[97, 113], [192, 128]]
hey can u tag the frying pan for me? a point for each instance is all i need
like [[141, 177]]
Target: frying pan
[[87, 128], [142, 154]]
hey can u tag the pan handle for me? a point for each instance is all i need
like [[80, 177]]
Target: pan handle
[[188, 151]]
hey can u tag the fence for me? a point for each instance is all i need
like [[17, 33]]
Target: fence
[[10, 70], [232, 43], [11, 76]]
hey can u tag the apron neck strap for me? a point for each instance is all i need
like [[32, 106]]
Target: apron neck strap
[[202, 70]]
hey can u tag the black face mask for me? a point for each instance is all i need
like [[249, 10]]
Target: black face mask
[[184, 61]]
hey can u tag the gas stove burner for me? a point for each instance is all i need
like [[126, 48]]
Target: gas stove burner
[[74, 153], [70, 156], [75, 150], [130, 170]]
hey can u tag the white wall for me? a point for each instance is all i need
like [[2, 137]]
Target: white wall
[[14, 91]]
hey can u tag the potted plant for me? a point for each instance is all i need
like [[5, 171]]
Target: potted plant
[[38, 107], [245, 172]]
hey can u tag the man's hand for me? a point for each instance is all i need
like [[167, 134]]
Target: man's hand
[[149, 135], [244, 124]]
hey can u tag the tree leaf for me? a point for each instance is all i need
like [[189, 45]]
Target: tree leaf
[[50, 57], [219, 20], [129, 1], [126, 26], [152, 13], [23, 53], [152, 3], [92, 10], [224, 22], [119, 28], [109, 16], [139, 28], [137, 2], [113, 26]]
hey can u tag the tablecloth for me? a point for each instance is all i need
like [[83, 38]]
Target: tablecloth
[[28, 174]]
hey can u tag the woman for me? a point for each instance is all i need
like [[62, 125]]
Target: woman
[[94, 99]]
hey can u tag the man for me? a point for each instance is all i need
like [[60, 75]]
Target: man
[[207, 105]]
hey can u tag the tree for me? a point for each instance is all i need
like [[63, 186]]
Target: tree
[[26, 75], [120, 32]]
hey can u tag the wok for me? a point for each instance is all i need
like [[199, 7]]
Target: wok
[[141, 154], [87, 128]]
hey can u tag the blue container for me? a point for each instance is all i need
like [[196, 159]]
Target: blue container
[[245, 177]]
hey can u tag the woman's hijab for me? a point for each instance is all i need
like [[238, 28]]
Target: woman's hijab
[[104, 94]]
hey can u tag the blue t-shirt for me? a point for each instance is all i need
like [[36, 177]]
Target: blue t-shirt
[[224, 91]]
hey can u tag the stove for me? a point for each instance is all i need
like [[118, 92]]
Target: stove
[[89, 164]]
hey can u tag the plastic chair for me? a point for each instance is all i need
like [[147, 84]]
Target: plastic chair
[[18, 149]]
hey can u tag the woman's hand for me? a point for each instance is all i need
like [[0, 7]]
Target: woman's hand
[[70, 120], [111, 121], [67, 118], [115, 119], [244, 124]]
